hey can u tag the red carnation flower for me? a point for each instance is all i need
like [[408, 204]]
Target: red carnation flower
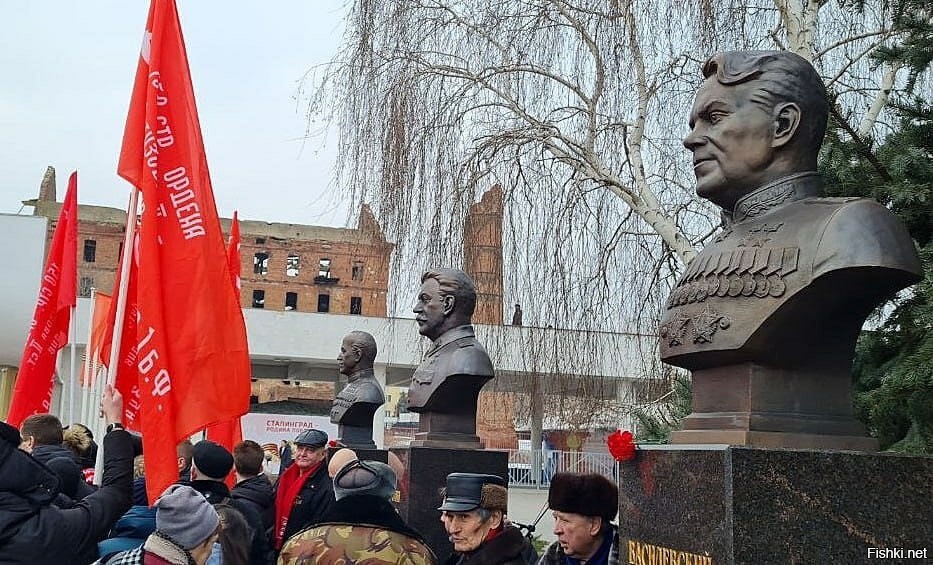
[[621, 445]]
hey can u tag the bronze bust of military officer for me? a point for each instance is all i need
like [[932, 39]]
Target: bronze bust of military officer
[[445, 387], [766, 317], [355, 405]]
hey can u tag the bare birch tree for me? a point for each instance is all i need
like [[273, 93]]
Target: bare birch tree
[[577, 109]]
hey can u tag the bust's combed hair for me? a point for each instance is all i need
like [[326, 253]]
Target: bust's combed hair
[[456, 283], [780, 76], [366, 344]]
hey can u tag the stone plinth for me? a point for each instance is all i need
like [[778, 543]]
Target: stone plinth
[[715, 504], [426, 471], [762, 406], [356, 437], [380, 455]]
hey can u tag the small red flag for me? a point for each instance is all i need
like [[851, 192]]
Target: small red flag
[[48, 332], [191, 345], [229, 433], [126, 378], [233, 253]]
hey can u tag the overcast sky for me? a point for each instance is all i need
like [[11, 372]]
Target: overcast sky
[[67, 73]]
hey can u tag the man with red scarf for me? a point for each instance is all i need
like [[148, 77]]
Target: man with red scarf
[[304, 492]]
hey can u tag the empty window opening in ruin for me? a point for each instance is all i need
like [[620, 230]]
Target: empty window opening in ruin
[[260, 241], [291, 300], [292, 265], [323, 303], [90, 251], [261, 263], [357, 272], [259, 298], [356, 305], [324, 268]]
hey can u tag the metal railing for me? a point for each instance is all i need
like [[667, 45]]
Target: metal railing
[[535, 468]]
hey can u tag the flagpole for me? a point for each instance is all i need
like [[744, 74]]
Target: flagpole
[[128, 241], [72, 380], [127, 256], [86, 386]]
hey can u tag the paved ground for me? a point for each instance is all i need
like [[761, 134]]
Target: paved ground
[[524, 506]]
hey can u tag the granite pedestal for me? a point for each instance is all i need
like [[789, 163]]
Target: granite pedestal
[[719, 504], [758, 405], [356, 437], [380, 455], [426, 471]]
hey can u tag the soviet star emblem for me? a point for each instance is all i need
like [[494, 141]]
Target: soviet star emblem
[[707, 323]]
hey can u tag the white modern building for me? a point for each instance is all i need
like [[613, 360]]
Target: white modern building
[[300, 346]]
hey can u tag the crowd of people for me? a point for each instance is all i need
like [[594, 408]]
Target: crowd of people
[[323, 508]]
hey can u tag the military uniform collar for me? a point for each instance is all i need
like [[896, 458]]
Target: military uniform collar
[[361, 374], [775, 194], [451, 335]]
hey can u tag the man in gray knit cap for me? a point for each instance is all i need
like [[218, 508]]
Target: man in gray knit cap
[[186, 528]]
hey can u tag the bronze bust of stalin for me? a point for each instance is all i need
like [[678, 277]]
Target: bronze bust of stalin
[[445, 386], [766, 317], [355, 405]]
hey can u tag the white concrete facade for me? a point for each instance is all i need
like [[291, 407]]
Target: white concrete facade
[[303, 346]]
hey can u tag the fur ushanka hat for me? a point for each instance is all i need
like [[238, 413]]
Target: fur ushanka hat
[[588, 494]]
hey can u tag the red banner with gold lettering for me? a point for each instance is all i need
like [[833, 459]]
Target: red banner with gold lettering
[[48, 332], [191, 344]]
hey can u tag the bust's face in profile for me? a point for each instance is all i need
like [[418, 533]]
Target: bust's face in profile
[[731, 138], [430, 309], [349, 357]]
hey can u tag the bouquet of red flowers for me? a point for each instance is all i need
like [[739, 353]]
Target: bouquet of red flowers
[[621, 445]]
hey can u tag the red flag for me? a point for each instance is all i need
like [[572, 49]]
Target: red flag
[[126, 378], [102, 303], [48, 332], [229, 433], [233, 253], [192, 354]]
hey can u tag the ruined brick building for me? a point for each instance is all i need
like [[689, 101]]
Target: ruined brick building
[[290, 267], [304, 268]]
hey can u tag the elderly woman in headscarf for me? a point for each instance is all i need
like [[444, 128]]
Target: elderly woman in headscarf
[[474, 514]]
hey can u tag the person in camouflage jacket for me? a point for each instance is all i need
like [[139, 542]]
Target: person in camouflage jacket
[[361, 527], [326, 544]]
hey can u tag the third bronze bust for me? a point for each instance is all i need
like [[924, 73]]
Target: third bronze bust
[[445, 387], [355, 405], [767, 315]]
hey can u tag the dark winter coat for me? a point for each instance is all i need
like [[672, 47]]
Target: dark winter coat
[[312, 503], [216, 493], [34, 531], [257, 493], [554, 554], [508, 548], [68, 468], [285, 458], [130, 531]]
